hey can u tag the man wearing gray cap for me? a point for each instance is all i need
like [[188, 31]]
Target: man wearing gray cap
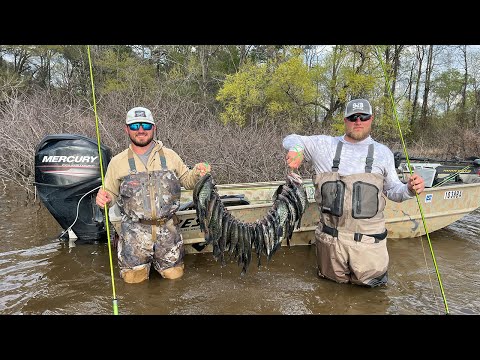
[[144, 181], [353, 174]]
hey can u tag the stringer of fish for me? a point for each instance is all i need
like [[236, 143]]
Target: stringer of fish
[[237, 238]]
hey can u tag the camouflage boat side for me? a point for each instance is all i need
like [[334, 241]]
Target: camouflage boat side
[[441, 207]]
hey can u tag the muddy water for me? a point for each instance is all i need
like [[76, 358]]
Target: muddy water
[[40, 274]]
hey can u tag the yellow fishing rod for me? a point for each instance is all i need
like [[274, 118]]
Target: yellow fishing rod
[[115, 305], [387, 80]]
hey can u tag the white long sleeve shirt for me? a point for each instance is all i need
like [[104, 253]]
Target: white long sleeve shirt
[[320, 151]]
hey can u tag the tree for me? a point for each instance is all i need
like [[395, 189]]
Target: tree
[[243, 94]]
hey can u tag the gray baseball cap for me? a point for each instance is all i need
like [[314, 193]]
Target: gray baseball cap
[[139, 114], [358, 106]]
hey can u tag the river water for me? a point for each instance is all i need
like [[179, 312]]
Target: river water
[[40, 274]]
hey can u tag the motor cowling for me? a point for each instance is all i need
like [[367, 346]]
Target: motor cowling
[[67, 178]]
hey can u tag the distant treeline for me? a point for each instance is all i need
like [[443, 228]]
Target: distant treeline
[[232, 104]]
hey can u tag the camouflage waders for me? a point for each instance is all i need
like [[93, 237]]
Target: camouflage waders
[[351, 236], [148, 233]]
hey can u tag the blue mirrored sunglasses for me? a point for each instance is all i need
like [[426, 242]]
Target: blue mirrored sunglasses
[[136, 126], [363, 117]]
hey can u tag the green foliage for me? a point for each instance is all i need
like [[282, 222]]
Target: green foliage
[[359, 83], [385, 125], [346, 72], [448, 87], [196, 71], [243, 94], [338, 126], [296, 85], [120, 71], [283, 90], [291, 91], [226, 61]]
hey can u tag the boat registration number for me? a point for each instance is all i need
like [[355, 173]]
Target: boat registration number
[[310, 192], [453, 194]]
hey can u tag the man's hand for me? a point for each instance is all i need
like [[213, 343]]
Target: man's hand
[[294, 157], [416, 183], [103, 197], [202, 168]]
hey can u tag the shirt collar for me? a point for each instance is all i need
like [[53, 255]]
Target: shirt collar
[[366, 141]]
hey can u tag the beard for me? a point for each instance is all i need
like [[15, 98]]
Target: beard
[[358, 135], [143, 141]]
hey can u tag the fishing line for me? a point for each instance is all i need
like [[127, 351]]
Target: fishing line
[[387, 80], [115, 306]]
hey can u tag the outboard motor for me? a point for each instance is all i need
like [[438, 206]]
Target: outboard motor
[[67, 177]]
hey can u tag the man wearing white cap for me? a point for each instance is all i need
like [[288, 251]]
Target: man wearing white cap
[[144, 181], [353, 173]]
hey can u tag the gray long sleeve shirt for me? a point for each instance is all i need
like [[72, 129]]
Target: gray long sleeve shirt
[[320, 151]]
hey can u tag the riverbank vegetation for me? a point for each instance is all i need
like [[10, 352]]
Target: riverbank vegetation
[[232, 104]]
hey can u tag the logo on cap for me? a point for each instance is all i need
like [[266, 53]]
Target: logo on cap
[[358, 106], [140, 113]]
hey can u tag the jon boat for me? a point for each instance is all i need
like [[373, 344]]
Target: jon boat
[[441, 206], [67, 176]]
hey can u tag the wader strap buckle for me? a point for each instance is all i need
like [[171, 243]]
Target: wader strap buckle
[[377, 237], [336, 159], [131, 162], [330, 231], [380, 237]]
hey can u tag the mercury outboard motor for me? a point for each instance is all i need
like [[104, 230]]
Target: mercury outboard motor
[[67, 178]]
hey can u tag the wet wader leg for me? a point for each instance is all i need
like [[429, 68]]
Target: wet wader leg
[[135, 275], [371, 282], [371, 263], [172, 273], [169, 251], [331, 261], [175, 272], [133, 261]]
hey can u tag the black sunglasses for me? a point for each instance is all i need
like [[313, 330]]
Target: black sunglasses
[[363, 117], [136, 126]]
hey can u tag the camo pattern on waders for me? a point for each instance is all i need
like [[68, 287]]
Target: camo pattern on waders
[[149, 233], [350, 238]]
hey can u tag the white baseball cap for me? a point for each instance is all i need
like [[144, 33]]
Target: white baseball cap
[[358, 106], [139, 114]]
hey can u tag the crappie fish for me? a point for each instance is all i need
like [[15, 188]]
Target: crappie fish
[[237, 238]]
